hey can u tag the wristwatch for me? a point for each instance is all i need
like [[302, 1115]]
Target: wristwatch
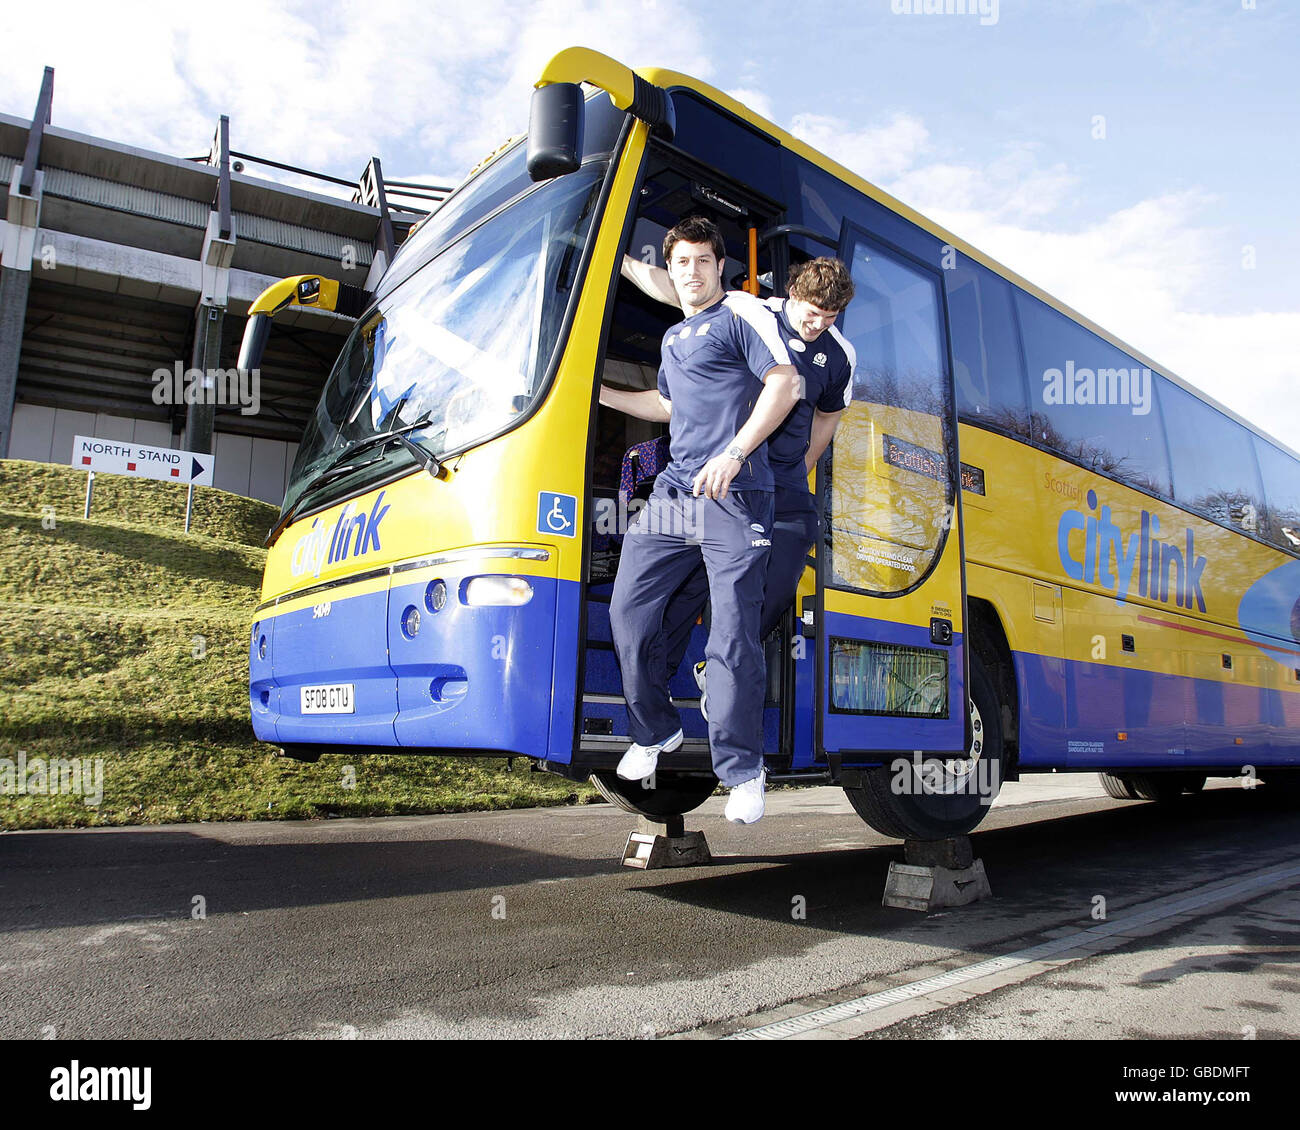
[[736, 452]]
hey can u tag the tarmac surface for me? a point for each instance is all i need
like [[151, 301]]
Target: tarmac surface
[[523, 923]]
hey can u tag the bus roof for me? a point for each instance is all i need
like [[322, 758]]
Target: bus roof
[[669, 79]]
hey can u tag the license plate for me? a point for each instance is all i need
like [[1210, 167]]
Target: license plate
[[332, 698]]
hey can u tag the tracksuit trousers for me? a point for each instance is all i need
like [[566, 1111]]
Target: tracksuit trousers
[[794, 531], [670, 538]]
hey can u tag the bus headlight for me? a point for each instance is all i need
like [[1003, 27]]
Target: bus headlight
[[497, 590]]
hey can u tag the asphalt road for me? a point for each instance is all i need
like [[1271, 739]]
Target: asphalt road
[[524, 924]]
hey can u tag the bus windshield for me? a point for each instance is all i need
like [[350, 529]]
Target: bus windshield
[[462, 347]]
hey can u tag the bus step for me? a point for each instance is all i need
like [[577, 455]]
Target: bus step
[[619, 700], [610, 743]]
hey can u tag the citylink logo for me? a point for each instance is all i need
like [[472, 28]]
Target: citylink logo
[[1157, 569], [354, 533]]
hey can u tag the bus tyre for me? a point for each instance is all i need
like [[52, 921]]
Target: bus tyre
[[898, 802], [673, 795], [1165, 788], [1119, 787]]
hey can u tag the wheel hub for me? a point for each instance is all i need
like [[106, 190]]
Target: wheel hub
[[955, 773]]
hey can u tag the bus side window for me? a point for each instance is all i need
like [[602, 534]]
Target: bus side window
[[1281, 475], [1090, 401], [988, 371], [1213, 465]]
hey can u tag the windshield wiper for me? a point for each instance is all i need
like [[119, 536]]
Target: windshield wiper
[[337, 468], [423, 455], [333, 471], [427, 459]]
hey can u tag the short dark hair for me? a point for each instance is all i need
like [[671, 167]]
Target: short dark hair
[[695, 229], [825, 282]]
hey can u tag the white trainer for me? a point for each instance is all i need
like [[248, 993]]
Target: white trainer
[[699, 671], [745, 805], [640, 760]]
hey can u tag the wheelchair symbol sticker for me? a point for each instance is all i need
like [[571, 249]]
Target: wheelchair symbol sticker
[[557, 514]]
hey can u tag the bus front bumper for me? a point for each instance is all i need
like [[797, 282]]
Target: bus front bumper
[[457, 660]]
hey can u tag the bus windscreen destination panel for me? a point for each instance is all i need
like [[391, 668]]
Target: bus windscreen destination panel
[[142, 460], [900, 453]]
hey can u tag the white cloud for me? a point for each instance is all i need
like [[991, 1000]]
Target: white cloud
[[327, 87]]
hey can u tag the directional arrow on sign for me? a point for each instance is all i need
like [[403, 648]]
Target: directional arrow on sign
[[196, 470]]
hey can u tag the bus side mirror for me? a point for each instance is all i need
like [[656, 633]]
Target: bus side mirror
[[253, 346], [555, 130]]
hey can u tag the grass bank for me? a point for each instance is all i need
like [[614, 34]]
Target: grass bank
[[124, 643]]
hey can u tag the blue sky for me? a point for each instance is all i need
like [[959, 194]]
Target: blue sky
[[985, 125], [1195, 95]]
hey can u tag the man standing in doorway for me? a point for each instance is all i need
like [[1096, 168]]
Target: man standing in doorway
[[725, 382], [819, 290]]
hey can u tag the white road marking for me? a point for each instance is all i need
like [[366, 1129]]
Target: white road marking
[[1026, 962]]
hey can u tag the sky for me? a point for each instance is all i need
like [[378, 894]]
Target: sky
[[1139, 159]]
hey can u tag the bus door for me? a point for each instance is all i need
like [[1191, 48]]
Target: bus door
[[673, 185], [888, 608]]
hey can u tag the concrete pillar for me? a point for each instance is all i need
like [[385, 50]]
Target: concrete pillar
[[208, 321], [22, 219], [199, 416]]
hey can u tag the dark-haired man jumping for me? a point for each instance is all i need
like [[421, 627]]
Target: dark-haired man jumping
[[818, 292], [725, 383]]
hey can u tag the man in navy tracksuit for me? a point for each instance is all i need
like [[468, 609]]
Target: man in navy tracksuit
[[819, 291], [725, 383]]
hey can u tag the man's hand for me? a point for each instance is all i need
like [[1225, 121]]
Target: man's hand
[[715, 476]]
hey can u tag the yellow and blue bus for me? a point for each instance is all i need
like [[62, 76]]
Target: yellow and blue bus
[[1041, 551]]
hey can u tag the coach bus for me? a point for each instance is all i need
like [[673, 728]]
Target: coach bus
[[1041, 550]]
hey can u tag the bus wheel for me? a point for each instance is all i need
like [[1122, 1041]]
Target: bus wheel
[[941, 798], [674, 794], [1119, 787], [1165, 788]]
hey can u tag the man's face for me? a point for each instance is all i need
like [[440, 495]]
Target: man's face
[[809, 321], [696, 274]]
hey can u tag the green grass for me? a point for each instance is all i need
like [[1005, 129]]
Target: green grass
[[125, 639]]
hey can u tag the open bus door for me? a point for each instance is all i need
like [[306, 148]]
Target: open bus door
[[890, 674]]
